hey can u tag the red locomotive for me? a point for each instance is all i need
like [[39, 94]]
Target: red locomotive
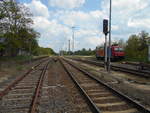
[[117, 52]]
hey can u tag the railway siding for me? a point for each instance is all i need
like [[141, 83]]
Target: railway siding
[[135, 87], [103, 106]]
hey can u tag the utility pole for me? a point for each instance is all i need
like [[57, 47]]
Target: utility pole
[[73, 38], [109, 55], [69, 47]]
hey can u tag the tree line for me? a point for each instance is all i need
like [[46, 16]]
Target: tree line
[[136, 47], [17, 36], [84, 52]]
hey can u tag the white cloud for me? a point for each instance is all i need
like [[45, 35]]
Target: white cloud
[[56, 29], [87, 32], [50, 27], [129, 6], [138, 23], [125, 7], [38, 8], [66, 4], [95, 40], [128, 16], [115, 27], [88, 26], [53, 34], [86, 20]]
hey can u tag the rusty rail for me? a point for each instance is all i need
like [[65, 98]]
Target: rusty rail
[[38, 90], [11, 85]]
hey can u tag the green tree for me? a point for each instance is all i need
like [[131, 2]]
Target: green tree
[[45, 51], [132, 46], [85, 52], [15, 24], [143, 40], [136, 46]]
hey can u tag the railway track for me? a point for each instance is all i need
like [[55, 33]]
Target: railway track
[[139, 65], [65, 97], [100, 96], [116, 67], [22, 95]]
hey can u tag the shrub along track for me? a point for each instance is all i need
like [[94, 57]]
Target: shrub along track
[[101, 97], [22, 95]]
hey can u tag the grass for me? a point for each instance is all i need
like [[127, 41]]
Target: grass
[[19, 67], [17, 59], [12, 65]]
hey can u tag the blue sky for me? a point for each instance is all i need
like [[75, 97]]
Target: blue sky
[[54, 19]]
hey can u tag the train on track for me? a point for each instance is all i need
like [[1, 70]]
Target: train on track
[[117, 52]]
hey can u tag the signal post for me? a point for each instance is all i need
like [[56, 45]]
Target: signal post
[[105, 31]]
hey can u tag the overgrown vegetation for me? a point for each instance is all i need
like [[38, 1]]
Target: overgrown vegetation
[[136, 47], [17, 37], [45, 51], [83, 52], [17, 59]]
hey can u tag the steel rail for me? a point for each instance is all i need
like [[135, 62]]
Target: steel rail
[[91, 104], [38, 90], [118, 68], [16, 81], [120, 94], [142, 65]]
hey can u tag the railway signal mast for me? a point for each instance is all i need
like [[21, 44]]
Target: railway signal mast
[[109, 56], [105, 31]]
